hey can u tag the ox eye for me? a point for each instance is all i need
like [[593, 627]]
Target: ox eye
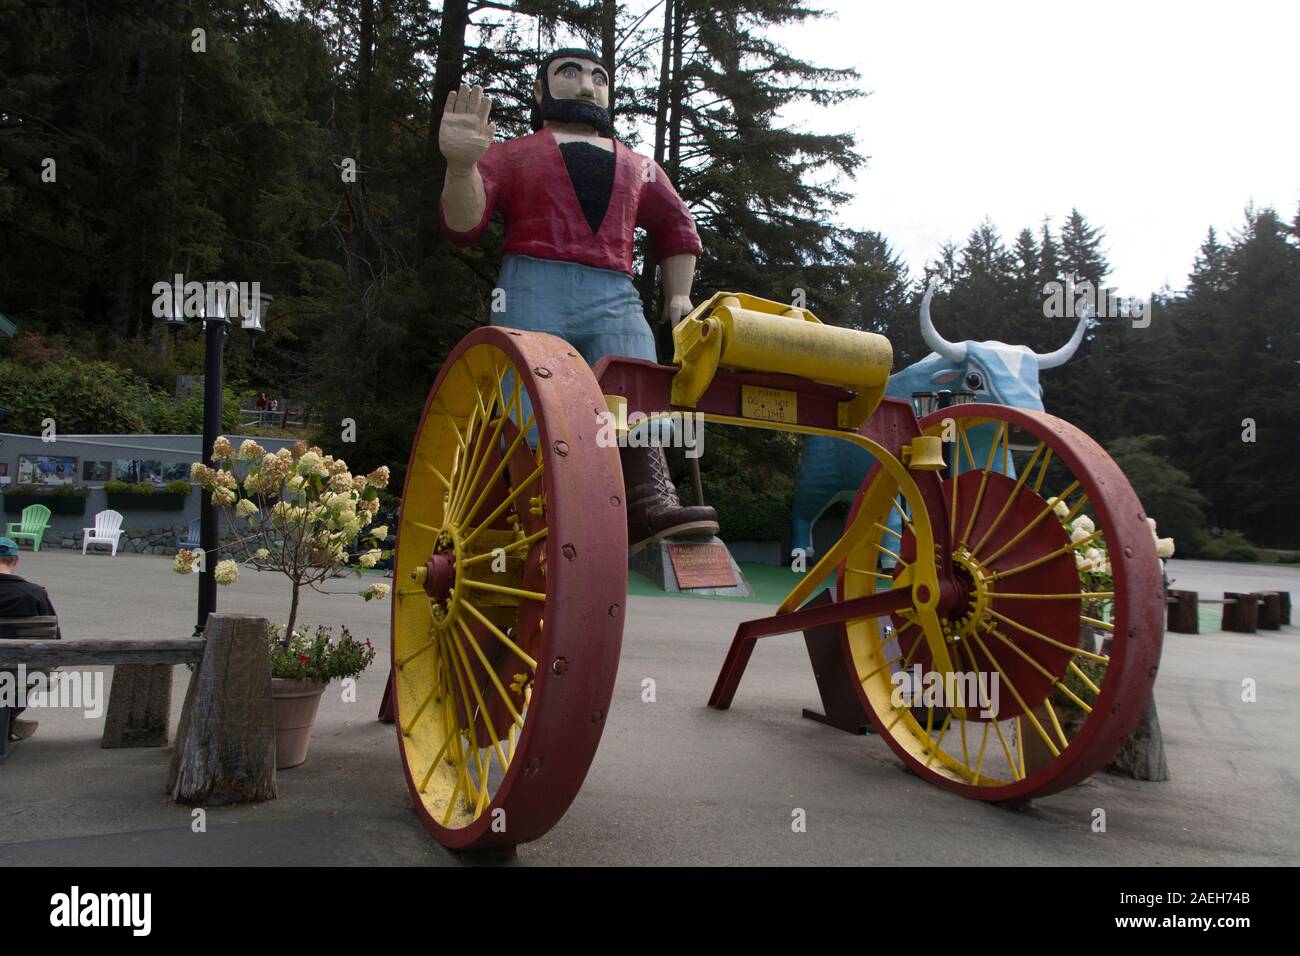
[[974, 381]]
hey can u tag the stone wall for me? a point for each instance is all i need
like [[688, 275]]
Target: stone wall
[[163, 540]]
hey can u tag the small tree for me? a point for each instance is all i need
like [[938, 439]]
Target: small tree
[[298, 512]]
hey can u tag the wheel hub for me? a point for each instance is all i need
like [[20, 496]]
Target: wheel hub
[[440, 574], [976, 581]]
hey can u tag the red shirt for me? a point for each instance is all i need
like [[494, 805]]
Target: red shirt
[[527, 181]]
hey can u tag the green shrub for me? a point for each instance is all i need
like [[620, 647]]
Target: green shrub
[[61, 491], [99, 398], [178, 487], [129, 488], [1228, 546]]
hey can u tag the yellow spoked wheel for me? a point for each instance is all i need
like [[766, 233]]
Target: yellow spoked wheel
[[1047, 652], [510, 580]]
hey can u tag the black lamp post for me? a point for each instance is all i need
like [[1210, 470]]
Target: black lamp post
[[214, 340]]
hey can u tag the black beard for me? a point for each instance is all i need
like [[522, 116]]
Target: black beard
[[574, 111]]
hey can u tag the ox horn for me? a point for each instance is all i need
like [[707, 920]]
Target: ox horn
[[1066, 351], [952, 351]]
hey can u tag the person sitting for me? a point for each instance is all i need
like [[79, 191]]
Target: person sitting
[[19, 598]]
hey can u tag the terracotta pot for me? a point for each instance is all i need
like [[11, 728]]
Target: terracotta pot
[[296, 702]]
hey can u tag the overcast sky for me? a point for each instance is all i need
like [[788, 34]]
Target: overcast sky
[[1156, 119]]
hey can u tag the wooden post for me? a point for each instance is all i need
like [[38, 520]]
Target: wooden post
[[139, 706], [1183, 612], [1270, 611], [1285, 598], [1143, 755], [225, 745], [1240, 612]]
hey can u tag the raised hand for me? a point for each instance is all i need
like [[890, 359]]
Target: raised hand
[[465, 133]]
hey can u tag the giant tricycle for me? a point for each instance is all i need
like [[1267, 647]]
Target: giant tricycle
[[988, 546]]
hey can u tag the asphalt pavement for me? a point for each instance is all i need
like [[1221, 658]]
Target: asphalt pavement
[[673, 782]]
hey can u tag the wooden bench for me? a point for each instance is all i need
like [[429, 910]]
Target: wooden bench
[[138, 713], [1242, 613]]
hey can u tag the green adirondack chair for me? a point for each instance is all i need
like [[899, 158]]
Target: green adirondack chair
[[36, 518]]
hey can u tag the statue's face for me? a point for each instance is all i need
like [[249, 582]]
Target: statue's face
[[573, 78]]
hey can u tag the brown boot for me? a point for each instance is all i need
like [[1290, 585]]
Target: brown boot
[[653, 509]]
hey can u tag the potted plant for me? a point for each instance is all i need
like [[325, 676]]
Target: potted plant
[[297, 512], [125, 495], [60, 499], [301, 669]]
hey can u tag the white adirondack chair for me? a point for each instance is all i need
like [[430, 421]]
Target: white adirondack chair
[[191, 539], [107, 530]]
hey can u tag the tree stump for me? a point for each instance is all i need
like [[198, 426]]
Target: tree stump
[[1183, 612], [225, 745], [1270, 610], [1142, 756], [1240, 612], [139, 706]]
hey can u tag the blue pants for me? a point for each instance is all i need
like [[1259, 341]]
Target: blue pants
[[597, 311]]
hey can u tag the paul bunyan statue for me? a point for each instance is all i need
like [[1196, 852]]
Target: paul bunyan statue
[[572, 197]]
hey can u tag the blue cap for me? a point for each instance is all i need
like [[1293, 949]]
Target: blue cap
[[8, 547]]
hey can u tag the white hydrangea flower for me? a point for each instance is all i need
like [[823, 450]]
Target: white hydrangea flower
[[184, 561], [249, 449], [312, 464], [1084, 522], [1060, 507], [369, 559], [227, 572], [375, 591], [261, 554], [1078, 534], [246, 508], [1165, 547]]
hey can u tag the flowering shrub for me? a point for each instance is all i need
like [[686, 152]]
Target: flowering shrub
[[297, 512], [1093, 561], [316, 656]]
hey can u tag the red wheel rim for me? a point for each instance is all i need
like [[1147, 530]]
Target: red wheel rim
[[1137, 603], [578, 565]]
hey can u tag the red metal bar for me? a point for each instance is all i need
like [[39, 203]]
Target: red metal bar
[[809, 616], [648, 389]]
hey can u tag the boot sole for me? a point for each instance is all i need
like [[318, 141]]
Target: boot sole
[[693, 528]]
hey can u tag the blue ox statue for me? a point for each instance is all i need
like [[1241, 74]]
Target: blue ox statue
[[832, 470]]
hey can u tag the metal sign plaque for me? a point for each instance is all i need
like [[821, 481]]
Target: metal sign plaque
[[702, 565], [769, 404]]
